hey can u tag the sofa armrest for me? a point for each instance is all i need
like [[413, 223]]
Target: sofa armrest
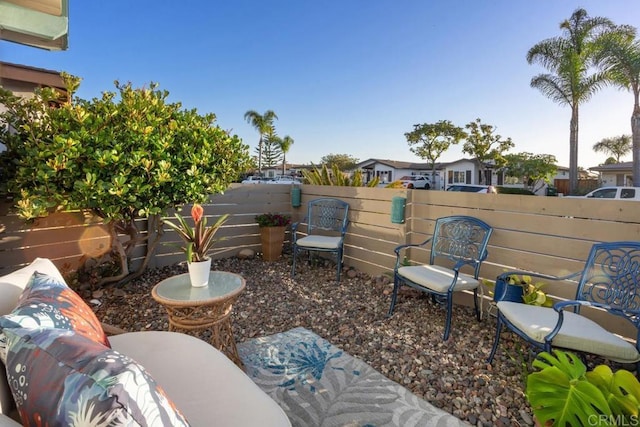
[[203, 383], [111, 330], [8, 422]]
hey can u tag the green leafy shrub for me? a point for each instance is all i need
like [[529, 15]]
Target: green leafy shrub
[[273, 220], [125, 155], [336, 177], [564, 393], [512, 190]]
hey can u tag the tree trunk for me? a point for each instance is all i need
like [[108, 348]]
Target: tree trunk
[[260, 156], [573, 151], [635, 138]]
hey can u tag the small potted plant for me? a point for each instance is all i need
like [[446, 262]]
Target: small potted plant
[[520, 289], [272, 230], [199, 241]]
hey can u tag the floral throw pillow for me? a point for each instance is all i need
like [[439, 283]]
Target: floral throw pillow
[[48, 303], [58, 377]]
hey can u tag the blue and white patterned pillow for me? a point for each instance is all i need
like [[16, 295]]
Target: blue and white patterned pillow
[[46, 302], [58, 377]]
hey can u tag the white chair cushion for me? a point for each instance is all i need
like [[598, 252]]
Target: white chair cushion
[[437, 278], [577, 333], [323, 242]]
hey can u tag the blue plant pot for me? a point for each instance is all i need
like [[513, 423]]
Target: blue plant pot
[[504, 291]]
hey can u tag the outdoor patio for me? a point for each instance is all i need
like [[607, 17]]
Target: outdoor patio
[[406, 348]]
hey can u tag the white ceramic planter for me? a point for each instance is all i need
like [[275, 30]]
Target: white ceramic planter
[[199, 273]]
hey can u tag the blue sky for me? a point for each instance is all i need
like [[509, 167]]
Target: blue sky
[[344, 77]]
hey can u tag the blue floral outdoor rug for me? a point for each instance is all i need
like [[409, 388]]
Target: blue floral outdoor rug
[[317, 384]]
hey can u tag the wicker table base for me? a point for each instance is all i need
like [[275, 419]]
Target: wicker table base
[[192, 310]]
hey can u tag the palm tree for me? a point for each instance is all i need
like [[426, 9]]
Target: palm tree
[[618, 146], [569, 58], [621, 56], [285, 145], [264, 125]]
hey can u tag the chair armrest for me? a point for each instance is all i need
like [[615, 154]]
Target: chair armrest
[[343, 232], [400, 248], [562, 305], [295, 225], [559, 307], [414, 245], [506, 274]]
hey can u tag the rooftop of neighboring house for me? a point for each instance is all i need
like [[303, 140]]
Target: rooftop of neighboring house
[[397, 164], [31, 75], [622, 166]]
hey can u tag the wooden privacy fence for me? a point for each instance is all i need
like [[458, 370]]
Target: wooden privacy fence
[[550, 235]]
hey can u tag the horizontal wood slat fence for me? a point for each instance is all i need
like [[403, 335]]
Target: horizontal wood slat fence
[[550, 235]]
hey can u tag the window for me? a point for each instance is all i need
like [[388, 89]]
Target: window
[[457, 177], [605, 193], [627, 193]]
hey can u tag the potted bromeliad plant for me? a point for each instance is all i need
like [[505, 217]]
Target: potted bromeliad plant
[[199, 241], [272, 231]]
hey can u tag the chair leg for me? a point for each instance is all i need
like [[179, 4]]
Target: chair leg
[[496, 340], [475, 303], [394, 295], [293, 266], [447, 326], [338, 265]]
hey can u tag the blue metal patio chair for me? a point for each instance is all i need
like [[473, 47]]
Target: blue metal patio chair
[[458, 241], [327, 220], [610, 280]]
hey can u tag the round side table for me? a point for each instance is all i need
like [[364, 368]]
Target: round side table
[[195, 309]]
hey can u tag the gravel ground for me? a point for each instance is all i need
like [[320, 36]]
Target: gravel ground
[[407, 347]]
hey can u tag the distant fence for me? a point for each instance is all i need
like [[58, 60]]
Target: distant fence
[[550, 235]]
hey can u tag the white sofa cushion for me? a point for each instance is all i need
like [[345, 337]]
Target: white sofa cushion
[[12, 284], [577, 333], [208, 388]]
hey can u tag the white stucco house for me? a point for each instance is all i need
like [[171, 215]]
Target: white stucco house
[[615, 174], [462, 171], [391, 170]]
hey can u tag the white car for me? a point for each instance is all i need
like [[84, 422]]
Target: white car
[[468, 188], [416, 182], [255, 180], [613, 193], [285, 180]]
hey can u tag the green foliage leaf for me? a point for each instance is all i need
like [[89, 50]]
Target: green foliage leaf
[[562, 393], [336, 177]]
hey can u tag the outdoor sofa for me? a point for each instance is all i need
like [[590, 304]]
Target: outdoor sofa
[[166, 378]]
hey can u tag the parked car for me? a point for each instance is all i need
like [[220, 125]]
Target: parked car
[[416, 182], [285, 180], [468, 188], [613, 193], [255, 180]]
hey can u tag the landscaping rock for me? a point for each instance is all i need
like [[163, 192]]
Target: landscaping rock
[[406, 347], [246, 253]]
